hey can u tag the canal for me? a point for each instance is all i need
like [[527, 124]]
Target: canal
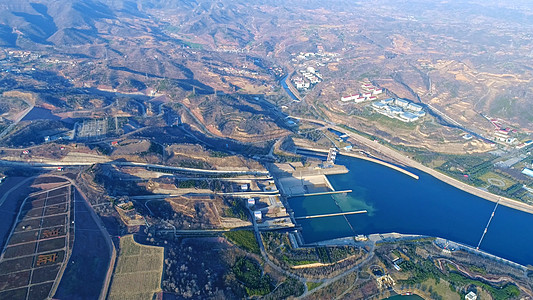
[[398, 203], [283, 83]]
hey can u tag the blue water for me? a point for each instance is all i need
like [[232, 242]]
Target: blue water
[[87, 267], [284, 85], [40, 113], [399, 203]]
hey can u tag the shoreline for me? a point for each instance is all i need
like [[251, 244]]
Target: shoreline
[[375, 160], [405, 160], [393, 237], [383, 163]]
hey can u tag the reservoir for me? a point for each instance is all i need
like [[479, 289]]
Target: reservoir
[[398, 203]]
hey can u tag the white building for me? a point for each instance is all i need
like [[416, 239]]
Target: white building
[[379, 105], [258, 215], [408, 117], [377, 91], [402, 102], [244, 187], [395, 110], [414, 107], [527, 172], [348, 98], [471, 296], [251, 202], [419, 113]]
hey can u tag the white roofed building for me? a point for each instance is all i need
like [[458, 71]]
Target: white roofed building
[[348, 98], [414, 107], [379, 105], [408, 117], [402, 102], [471, 296], [258, 215]]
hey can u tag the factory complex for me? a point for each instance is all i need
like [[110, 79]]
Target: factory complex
[[399, 108]]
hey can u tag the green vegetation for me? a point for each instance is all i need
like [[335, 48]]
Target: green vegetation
[[288, 158], [290, 287], [214, 153], [249, 273], [279, 246], [312, 285], [422, 270], [391, 123], [492, 175], [244, 239], [505, 292], [236, 209], [154, 148], [323, 255], [502, 106], [192, 45]]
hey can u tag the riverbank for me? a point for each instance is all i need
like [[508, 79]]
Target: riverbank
[[394, 237], [407, 161], [384, 163]]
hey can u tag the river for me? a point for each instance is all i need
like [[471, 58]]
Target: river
[[398, 203]]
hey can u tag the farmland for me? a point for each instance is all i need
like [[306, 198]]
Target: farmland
[[138, 272]]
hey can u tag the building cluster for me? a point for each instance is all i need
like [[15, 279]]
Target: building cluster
[[320, 54], [23, 54], [399, 108], [368, 92], [309, 77], [504, 134], [524, 144]]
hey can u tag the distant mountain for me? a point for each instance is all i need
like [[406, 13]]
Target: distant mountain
[[28, 23]]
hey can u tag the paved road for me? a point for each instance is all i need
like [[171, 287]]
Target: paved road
[[87, 161], [325, 282]]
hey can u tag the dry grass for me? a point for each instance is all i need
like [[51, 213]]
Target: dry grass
[[138, 272]]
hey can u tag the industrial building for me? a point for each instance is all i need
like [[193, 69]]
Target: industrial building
[[401, 109], [402, 102], [527, 172]]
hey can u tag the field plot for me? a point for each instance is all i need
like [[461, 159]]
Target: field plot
[[37, 247], [138, 272]]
